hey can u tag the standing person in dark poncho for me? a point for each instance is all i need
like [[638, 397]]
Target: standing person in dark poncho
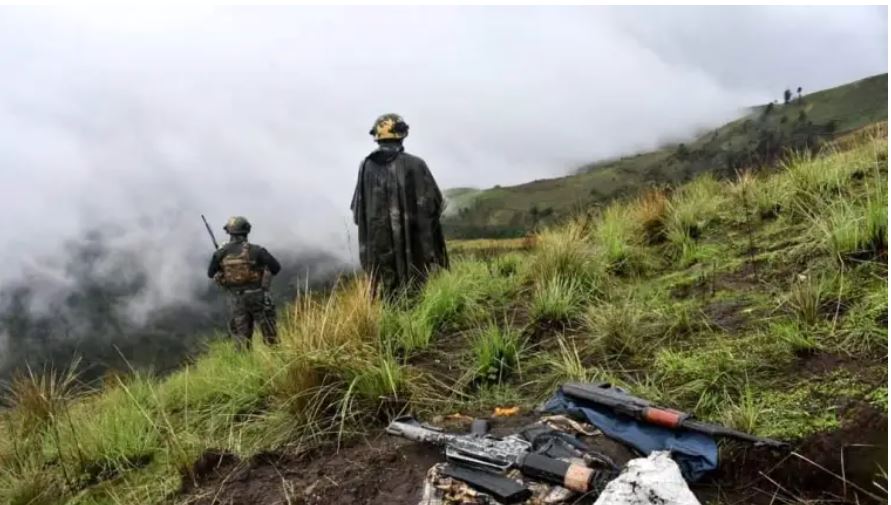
[[397, 206]]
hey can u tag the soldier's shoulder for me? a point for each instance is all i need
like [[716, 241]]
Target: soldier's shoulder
[[224, 249], [412, 158], [257, 248]]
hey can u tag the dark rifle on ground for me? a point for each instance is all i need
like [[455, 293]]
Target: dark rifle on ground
[[642, 410], [210, 232], [484, 452]]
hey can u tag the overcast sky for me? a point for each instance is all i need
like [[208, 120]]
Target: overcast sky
[[142, 119]]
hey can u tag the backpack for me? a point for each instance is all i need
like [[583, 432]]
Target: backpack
[[239, 269]]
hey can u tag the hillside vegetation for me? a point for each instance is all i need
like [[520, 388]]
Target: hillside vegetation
[[759, 302], [756, 139]]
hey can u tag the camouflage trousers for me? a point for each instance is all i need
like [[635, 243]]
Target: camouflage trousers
[[248, 308]]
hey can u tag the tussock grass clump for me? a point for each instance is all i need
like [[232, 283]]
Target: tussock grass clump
[[452, 298], [114, 433], [404, 333], [623, 327], [617, 235], [815, 177], [350, 315], [763, 197], [810, 296], [855, 229], [568, 253], [378, 386], [690, 210], [557, 300], [507, 265], [39, 398], [225, 380], [649, 213], [744, 411], [564, 365], [26, 483], [702, 377], [497, 352], [864, 329], [799, 340]]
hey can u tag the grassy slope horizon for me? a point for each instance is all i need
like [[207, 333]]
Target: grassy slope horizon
[[758, 302], [513, 211]]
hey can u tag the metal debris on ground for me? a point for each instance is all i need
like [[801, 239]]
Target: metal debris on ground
[[442, 490], [551, 461]]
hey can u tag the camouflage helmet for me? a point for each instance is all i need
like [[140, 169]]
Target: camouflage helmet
[[237, 225], [389, 127]]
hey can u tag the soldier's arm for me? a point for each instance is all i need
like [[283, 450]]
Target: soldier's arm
[[268, 261], [214, 266]]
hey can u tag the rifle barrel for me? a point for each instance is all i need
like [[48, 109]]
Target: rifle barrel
[[718, 430], [210, 232]]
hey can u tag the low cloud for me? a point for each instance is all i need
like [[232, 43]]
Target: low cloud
[[127, 125]]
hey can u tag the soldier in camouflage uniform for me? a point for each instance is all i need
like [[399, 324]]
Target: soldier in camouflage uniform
[[397, 206], [244, 269]]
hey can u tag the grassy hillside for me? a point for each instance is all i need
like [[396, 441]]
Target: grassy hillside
[[459, 199], [759, 302], [758, 138]]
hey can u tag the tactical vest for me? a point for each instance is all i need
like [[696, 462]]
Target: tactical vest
[[239, 269]]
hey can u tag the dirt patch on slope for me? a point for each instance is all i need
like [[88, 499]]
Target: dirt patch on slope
[[380, 471], [728, 315], [842, 465]]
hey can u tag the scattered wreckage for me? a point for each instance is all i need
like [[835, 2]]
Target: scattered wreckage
[[548, 462]]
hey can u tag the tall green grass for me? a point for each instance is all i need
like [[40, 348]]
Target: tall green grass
[[618, 237], [563, 365], [557, 299], [623, 327], [851, 229], [497, 351], [567, 252], [348, 360], [329, 375], [690, 210]]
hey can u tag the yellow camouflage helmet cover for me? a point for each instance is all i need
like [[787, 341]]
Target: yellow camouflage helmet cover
[[237, 225], [389, 127]]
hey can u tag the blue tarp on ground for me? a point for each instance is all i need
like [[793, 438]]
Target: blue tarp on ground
[[695, 453]]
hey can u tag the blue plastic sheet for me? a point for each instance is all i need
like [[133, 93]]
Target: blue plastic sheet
[[695, 453]]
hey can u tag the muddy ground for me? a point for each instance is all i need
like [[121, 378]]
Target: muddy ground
[[836, 467]]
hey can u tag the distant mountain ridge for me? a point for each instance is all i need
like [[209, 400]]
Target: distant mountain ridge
[[759, 137]]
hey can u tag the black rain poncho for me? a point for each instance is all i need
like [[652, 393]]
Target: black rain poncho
[[397, 206]]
